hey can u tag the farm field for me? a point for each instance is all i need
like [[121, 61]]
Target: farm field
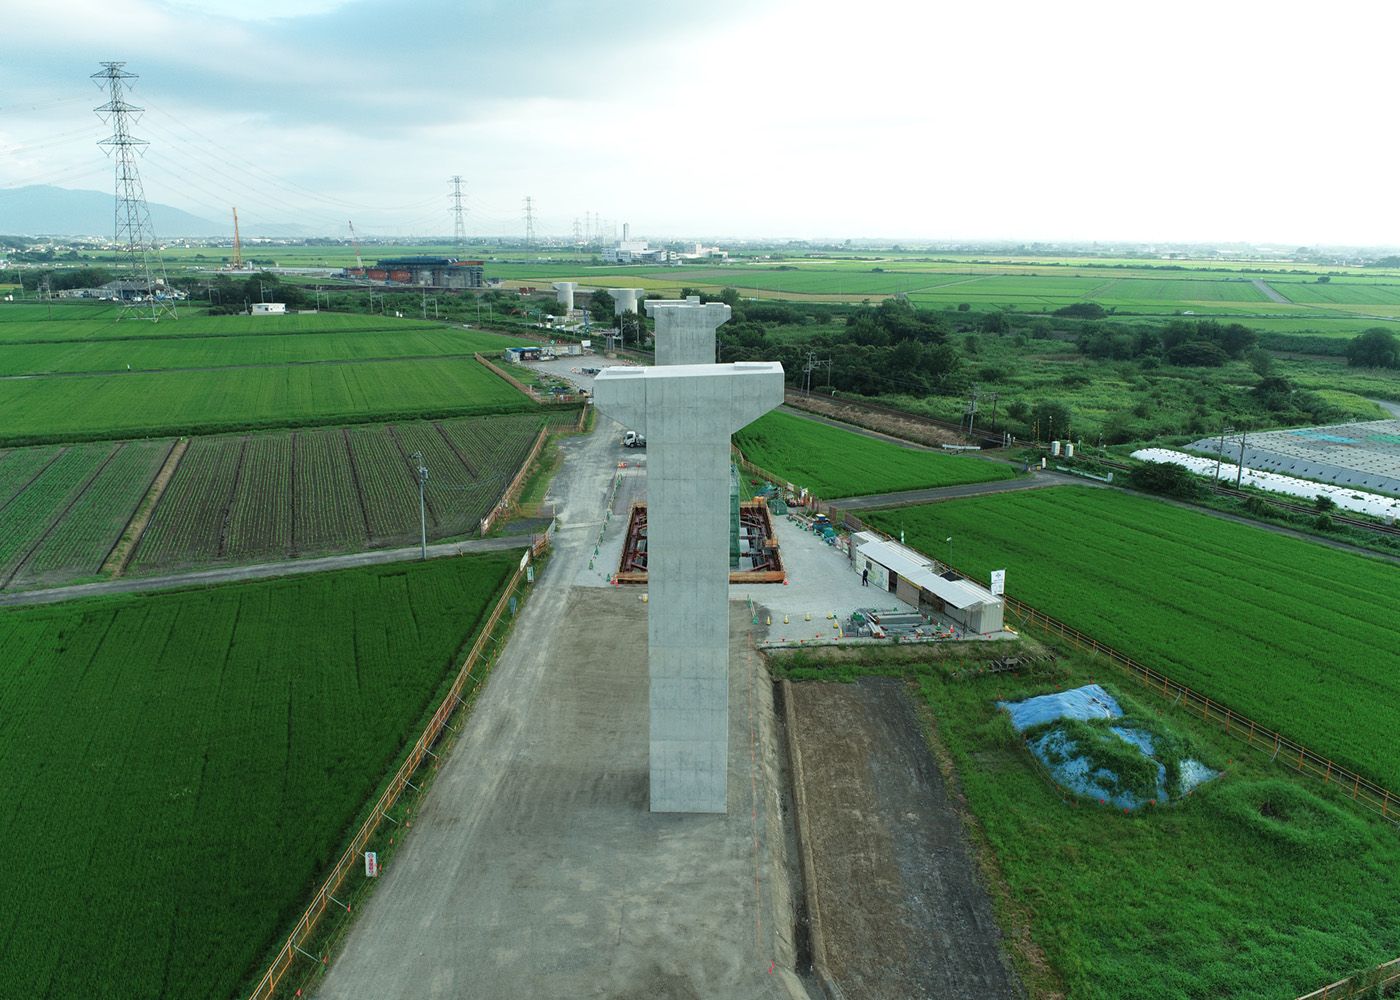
[[1133, 288], [64, 508], [78, 320], [183, 765], [227, 350], [278, 495], [136, 404], [1260, 885], [1298, 636], [831, 462]]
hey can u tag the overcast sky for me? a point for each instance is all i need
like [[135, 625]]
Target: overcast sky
[[798, 118]]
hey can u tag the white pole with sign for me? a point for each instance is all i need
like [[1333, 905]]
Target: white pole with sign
[[371, 864], [998, 582]]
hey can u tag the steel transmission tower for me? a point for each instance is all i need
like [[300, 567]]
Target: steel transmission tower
[[135, 238], [529, 221], [459, 226]]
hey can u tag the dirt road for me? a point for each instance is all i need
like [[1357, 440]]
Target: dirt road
[[908, 498], [901, 911], [260, 571]]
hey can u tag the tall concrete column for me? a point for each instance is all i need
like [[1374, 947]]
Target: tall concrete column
[[564, 293], [687, 413], [685, 329], [625, 299]]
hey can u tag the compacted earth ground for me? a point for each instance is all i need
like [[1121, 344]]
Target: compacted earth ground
[[898, 906]]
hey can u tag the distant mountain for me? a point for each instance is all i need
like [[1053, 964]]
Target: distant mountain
[[43, 210]]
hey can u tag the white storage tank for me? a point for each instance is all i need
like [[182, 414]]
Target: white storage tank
[[1069, 449], [1055, 449]]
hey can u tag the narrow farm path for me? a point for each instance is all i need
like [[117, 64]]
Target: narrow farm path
[[260, 571], [1271, 291], [115, 563], [854, 429], [1389, 407], [909, 498]]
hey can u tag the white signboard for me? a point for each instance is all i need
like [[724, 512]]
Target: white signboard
[[998, 581], [371, 864]]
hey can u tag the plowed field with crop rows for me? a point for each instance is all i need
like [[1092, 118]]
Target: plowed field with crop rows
[[241, 498]]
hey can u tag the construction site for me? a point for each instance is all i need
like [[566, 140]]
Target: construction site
[[630, 817]]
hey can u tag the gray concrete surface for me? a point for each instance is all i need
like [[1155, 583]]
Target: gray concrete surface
[[1388, 406], [1269, 290], [260, 571], [535, 868]]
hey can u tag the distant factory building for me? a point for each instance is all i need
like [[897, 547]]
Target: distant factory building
[[423, 272]]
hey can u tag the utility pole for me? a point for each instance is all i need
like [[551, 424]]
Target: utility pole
[[811, 365], [1239, 466], [135, 238], [972, 409], [529, 221], [459, 226], [1220, 452], [417, 456]]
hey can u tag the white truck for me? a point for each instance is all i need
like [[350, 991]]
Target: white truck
[[633, 440]]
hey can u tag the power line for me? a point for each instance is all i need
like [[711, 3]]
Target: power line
[[134, 235]]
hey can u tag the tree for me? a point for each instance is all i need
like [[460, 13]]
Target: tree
[[1050, 419], [1165, 478], [1322, 279], [600, 306], [1082, 310], [1197, 354], [1374, 348]]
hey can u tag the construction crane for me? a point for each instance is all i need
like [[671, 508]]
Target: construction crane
[[354, 242], [237, 264]]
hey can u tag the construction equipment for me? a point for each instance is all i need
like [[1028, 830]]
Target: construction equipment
[[237, 264]]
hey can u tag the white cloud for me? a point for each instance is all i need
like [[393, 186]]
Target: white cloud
[[794, 117]]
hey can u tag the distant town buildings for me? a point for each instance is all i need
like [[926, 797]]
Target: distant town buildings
[[630, 251]]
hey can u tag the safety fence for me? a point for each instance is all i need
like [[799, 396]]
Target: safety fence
[[292, 951], [1371, 983], [551, 398], [1280, 748], [805, 499], [506, 504]]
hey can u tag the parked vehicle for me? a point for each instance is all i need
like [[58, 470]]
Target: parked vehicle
[[633, 440]]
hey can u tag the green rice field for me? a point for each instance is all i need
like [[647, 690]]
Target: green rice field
[[183, 766], [831, 462], [1298, 636]]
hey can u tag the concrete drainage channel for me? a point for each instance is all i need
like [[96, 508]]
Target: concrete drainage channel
[[809, 940]]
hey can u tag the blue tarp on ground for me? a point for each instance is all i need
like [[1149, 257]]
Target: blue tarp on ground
[[1071, 770], [1087, 702]]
